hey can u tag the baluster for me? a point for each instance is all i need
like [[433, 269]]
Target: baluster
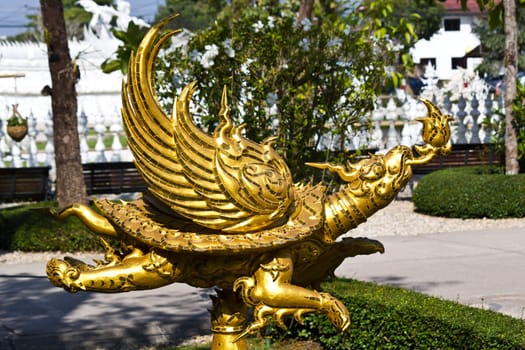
[[447, 105], [392, 137], [406, 137], [100, 148], [41, 137], [332, 140], [488, 115], [418, 110], [406, 134], [475, 116], [377, 137], [377, 134], [16, 161], [2, 143], [31, 133], [461, 117], [116, 145], [82, 133], [50, 148], [362, 137]]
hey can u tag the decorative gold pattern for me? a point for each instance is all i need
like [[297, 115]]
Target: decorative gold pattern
[[223, 211]]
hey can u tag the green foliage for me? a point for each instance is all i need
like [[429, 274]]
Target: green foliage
[[16, 121], [305, 82], [197, 14], [493, 39], [471, 192], [424, 15], [394, 318], [518, 122], [518, 112], [28, 228], [131, 39]]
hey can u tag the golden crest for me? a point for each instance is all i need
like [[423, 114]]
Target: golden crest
[[221, 181]]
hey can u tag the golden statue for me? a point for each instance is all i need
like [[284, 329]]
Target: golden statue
[[222, 211]]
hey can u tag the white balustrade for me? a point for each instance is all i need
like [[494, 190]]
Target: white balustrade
[[101, 132]]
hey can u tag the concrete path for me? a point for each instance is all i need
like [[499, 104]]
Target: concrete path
[[34, 314], [481, 268], [478, 268]]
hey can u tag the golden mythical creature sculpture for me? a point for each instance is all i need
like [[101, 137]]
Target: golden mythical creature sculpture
[[223, 211]]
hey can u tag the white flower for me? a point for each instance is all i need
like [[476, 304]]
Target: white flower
[[195, 55], [211, 52], [307, 24], [271, 21], [257, 26], [246, 65], [304, 44], [271, 98], [227, 44], [335, 42]]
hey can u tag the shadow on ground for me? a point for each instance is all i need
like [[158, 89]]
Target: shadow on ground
[[36, 315]]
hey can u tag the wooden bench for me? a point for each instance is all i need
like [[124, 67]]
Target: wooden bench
[[112, 178], [463, 155], [24, 184]]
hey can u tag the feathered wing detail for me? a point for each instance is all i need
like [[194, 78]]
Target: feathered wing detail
[[221, 181]]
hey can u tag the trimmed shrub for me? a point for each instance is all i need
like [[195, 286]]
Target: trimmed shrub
[[394, 318], [471, 192], [29, 228]]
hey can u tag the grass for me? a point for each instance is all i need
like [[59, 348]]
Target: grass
[[30, 228]]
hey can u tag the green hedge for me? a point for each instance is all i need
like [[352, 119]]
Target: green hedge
[[394, 318], [29, 228], [471, 192]]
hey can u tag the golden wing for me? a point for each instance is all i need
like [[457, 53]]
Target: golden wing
[[221, 181]]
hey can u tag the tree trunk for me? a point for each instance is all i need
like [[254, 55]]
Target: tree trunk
[[70, 186], [305, 11], [511, 70]]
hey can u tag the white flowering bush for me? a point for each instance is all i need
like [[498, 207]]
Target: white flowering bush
[[301, 81]]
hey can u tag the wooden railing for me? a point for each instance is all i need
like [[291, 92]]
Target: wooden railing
[[114, 177], [24, 184], [463, 155]]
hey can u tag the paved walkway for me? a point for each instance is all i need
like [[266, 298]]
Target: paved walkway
[[483, 268]]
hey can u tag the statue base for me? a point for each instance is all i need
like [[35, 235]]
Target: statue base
[[228, 319]]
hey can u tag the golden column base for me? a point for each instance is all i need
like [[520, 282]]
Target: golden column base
[[228, 320]]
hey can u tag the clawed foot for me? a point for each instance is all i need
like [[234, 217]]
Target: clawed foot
[[336, 312], [262, 312], [268, 304]]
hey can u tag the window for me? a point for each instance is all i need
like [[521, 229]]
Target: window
[[451, 24], [459, 62], [425, 61]]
